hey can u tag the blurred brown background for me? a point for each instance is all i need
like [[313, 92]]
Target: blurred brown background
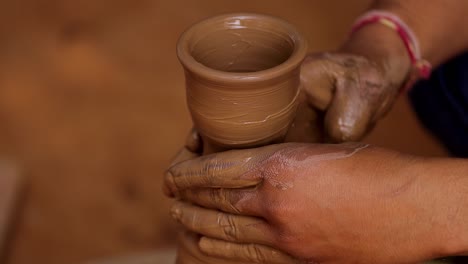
[[92, 107]]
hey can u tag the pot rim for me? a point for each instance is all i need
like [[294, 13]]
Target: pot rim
[[191, 64]]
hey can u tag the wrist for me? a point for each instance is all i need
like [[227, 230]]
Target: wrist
[[384, 47], [443, 195]]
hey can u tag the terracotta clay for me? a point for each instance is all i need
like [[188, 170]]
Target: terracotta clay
[[242, 78]]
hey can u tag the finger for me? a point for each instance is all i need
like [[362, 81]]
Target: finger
[[190, 253], [193, 142], [191, 150], [234, 201], [246, 253], [229, 227], [220, 170], [348, 117], [181, 156], [355, 102], [318, 75]]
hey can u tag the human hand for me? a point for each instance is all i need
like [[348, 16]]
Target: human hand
[[189, 252], [352, 91], [357, 85], [348, 203]]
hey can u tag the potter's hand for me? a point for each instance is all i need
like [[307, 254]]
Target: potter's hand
[[356, 86], [189, 252], [346, 203], [353, 91]]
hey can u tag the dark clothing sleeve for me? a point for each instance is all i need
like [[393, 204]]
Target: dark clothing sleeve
[[441, 103]]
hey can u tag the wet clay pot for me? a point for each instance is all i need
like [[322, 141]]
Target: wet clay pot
[[242, 76]]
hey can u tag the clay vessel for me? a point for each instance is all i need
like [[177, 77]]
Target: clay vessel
[[242, 75]]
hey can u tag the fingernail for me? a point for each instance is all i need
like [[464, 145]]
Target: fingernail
[[176, 212]]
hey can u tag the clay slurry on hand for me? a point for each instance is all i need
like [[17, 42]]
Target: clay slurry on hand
[[297, 159], [248, 168], [242, 78]]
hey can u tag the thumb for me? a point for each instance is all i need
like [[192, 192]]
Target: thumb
[[349, 114], [360, 95]]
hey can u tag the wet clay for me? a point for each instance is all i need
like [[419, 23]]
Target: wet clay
[[242, 78]]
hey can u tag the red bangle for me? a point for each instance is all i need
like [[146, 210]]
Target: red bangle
[[423, 67]]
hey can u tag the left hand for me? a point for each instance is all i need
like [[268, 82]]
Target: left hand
[[189, 251], [346, 203]]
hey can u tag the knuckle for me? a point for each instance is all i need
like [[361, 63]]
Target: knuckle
[[224, 198], [212, 168], [255, 254], [288, 242], [209, 168], [232, 204], [273, 212], [215, 196], [229, 226]]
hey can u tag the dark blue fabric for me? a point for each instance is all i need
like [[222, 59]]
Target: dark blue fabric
[[441, 103]]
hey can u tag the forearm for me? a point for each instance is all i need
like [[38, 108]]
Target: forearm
[[439, 26], [445, 195]]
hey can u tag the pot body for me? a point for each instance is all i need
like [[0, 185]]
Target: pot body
[[242, 75]]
